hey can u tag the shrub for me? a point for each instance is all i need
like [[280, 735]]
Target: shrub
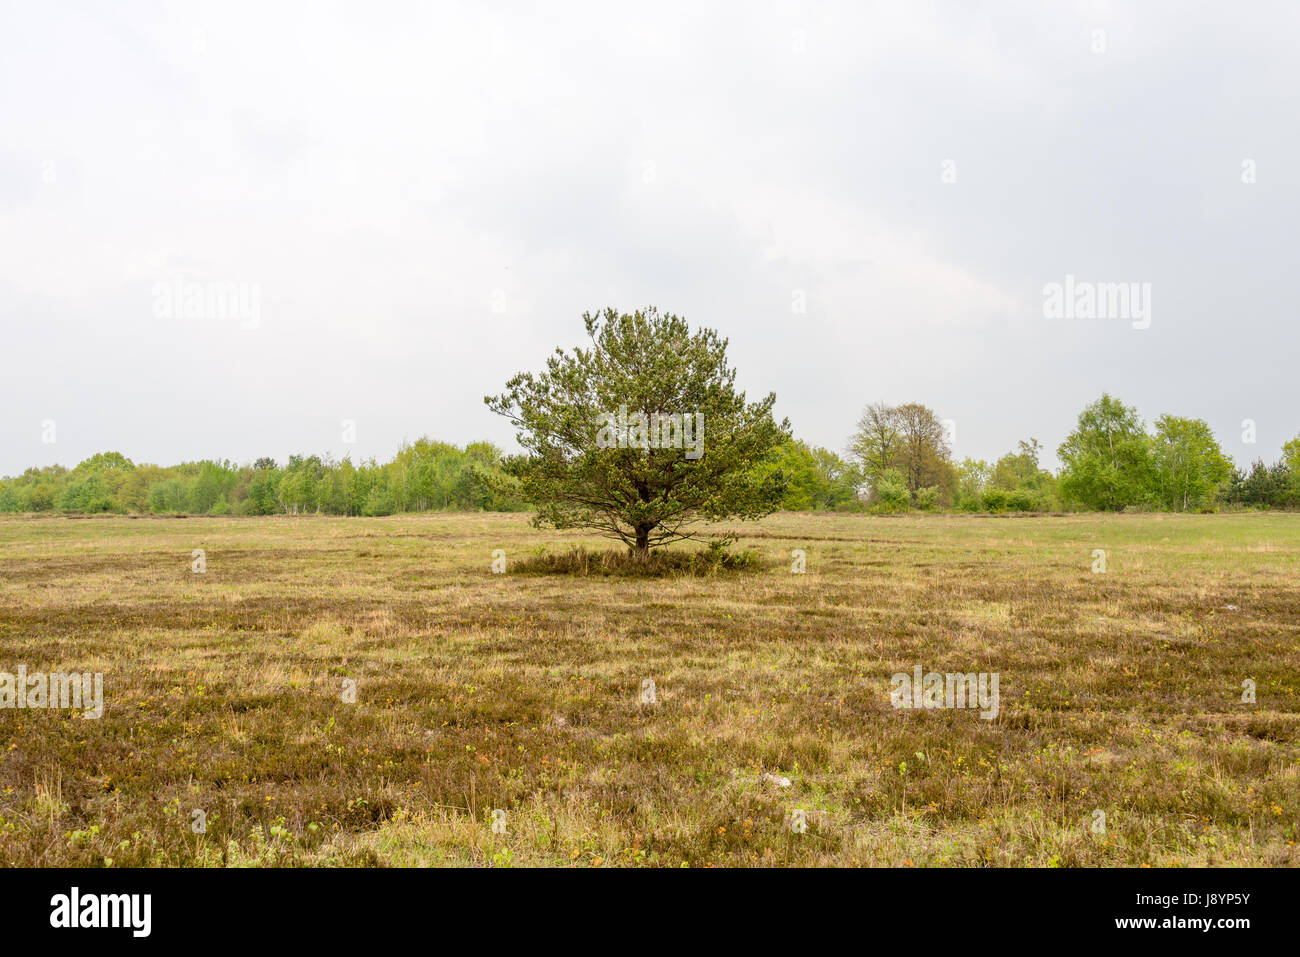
[[619, 562], [1023, 500], [996, 500], [890, 493]]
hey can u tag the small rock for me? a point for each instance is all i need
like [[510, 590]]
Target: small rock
[[1231, 608], [777, 780]]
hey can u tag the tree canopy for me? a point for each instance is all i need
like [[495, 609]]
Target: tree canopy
[[1107, 458], [908, 444], [642, 435]]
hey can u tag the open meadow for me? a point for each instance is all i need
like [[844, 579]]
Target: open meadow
[[227, 736]]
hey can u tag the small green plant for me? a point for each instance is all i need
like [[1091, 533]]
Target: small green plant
[[890, 493]]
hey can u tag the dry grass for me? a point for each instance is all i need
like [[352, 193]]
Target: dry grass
[[522, 692]]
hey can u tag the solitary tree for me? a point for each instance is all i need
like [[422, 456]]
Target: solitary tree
[[642, 435]]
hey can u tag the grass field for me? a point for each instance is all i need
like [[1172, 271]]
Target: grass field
[[476, 692]]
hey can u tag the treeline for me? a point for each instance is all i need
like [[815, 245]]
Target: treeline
[[424, 476], [899, 459], [1111, 461]]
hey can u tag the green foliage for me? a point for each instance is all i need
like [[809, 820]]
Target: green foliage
[[816, 478], [40, 497], [378, 502], [972, 477], [890, 492], [1011, 500], [168, 496], [209, 487], [909, 440], [1107, 458], [573, 417], [424, 475], [1110, 462], [927, 498], [1189, 467], [86, 493], [1263, 486], [1018, 484], [1291, 455]]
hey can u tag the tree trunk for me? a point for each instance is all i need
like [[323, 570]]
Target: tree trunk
[[642, 550]]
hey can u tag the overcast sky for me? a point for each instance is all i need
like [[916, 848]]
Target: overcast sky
[[424, 198]]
